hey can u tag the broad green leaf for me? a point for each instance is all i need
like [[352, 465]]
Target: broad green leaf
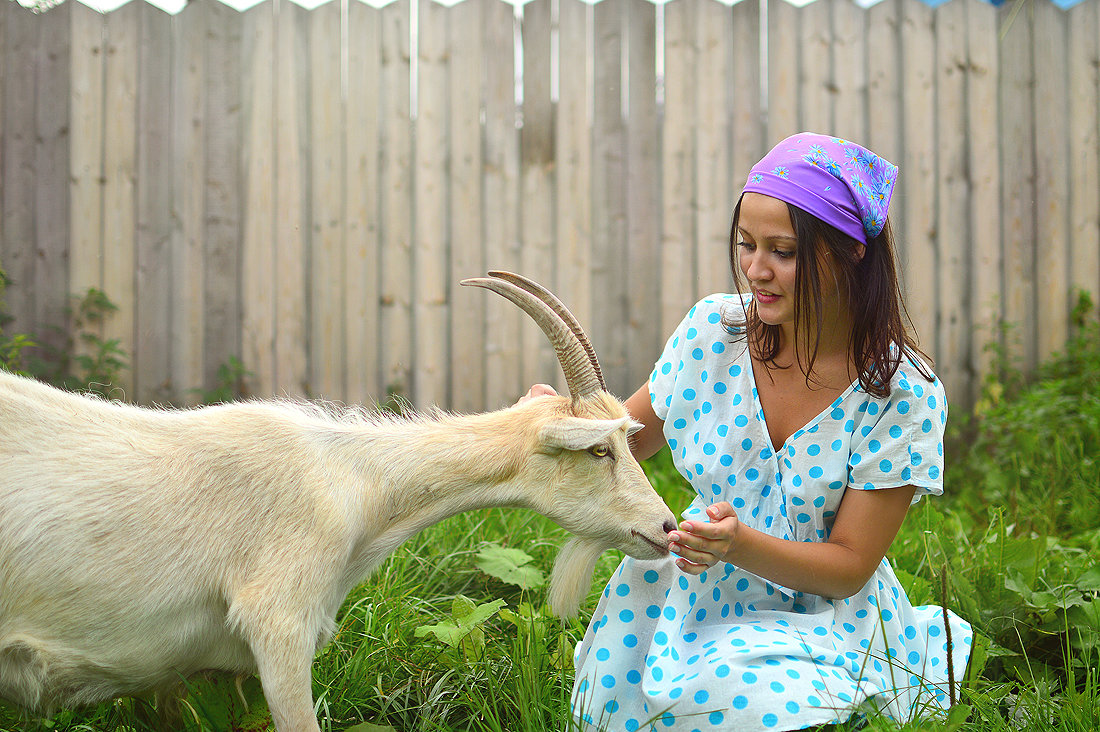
[[1086, 618], [467, 617], [1090, 580], [481, 613], [462, 607], [1024, 555], [447, 632], [957, 717], [1015, 583], [510, 565], [371, 727]]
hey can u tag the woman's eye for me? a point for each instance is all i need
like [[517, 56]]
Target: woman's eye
[[600, 451], [746, 246], [784, 254]]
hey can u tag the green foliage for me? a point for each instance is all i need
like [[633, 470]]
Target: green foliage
[[230, 383], [11, 346], [510, 565], [463, 629], [87, 361]]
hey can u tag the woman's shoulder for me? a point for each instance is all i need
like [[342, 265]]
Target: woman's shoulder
[[719, 307], [914, 386]]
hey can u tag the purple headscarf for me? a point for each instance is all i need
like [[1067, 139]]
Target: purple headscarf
[[842, 183]]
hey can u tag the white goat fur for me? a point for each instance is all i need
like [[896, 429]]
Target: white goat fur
[[140, 545]]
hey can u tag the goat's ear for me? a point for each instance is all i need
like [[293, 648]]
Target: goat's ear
[[577, 433]]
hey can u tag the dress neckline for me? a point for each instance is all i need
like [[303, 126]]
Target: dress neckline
[[762, 420]]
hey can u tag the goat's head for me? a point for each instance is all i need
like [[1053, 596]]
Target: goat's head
[[594, 487]]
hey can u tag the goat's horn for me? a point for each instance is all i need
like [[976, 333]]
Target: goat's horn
[[562, 312], [580, 376]]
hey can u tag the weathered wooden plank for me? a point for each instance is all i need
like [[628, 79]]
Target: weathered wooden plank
[[501, 205], [916, 187], [643, 190], [748, 123], [784, 46], [4, 13], [535, 359], [153, 208], [52, 162], [850, 70], [468, 32], [1051, 110], [573, 153], [396, 174], [292, 101], [678, 194], [328, 286], [714, 185], [816, 78], [258, 246], [119, 169], [431, 312], [884, 133], [1084, 159], [1017, 133], [953, 235], [362, 213], [608, 240], [18, 56], [86, 153], [226, 158], [986, 262], [188, 185]]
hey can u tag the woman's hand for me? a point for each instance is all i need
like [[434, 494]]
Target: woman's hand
[[865, 524], [536, 391], [701, 545]]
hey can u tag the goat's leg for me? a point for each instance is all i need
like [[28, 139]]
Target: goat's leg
[[283, 664], [283, 649]]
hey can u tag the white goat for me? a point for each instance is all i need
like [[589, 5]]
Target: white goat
[[139, 545]]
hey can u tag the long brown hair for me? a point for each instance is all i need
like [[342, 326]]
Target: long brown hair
[[879, 338]]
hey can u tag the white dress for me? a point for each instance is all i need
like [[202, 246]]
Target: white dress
[[728, 650]]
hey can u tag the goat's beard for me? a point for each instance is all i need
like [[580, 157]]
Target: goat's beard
[[572, 575]]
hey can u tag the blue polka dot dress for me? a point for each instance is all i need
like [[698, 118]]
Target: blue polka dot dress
[[728, 650]]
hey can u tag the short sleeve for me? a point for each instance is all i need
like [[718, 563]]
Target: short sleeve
[[684, 349], [898, 440], [662, 381]]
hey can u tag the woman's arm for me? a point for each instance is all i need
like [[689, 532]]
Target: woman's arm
[[647, 441], [865, 526]]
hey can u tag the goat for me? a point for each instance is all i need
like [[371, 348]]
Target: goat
[[141, 545]]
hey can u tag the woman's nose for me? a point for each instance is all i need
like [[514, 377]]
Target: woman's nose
[[755, 269]]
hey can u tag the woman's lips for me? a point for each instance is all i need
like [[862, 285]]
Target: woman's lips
[[765, 297]]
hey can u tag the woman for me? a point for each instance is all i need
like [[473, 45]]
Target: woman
[[807, 422]]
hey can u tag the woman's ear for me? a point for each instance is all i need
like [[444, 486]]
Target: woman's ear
[[861, 250]]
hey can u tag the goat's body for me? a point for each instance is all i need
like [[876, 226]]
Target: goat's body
[[138, 545], [101, 501]]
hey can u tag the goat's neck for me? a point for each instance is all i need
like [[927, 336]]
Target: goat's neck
[[420, 472]]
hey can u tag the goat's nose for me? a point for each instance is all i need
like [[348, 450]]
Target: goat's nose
[[669, 525]]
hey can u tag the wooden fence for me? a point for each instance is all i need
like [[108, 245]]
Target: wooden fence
[[254, 184]]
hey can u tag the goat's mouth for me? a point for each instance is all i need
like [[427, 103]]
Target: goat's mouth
[[661, 549]]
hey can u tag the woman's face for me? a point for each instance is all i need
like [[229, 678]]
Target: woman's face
[[766, 249]]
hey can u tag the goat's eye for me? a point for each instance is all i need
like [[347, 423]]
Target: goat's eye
[[600, 451]]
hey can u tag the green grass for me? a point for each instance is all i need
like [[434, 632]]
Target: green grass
[[1015, 543]]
